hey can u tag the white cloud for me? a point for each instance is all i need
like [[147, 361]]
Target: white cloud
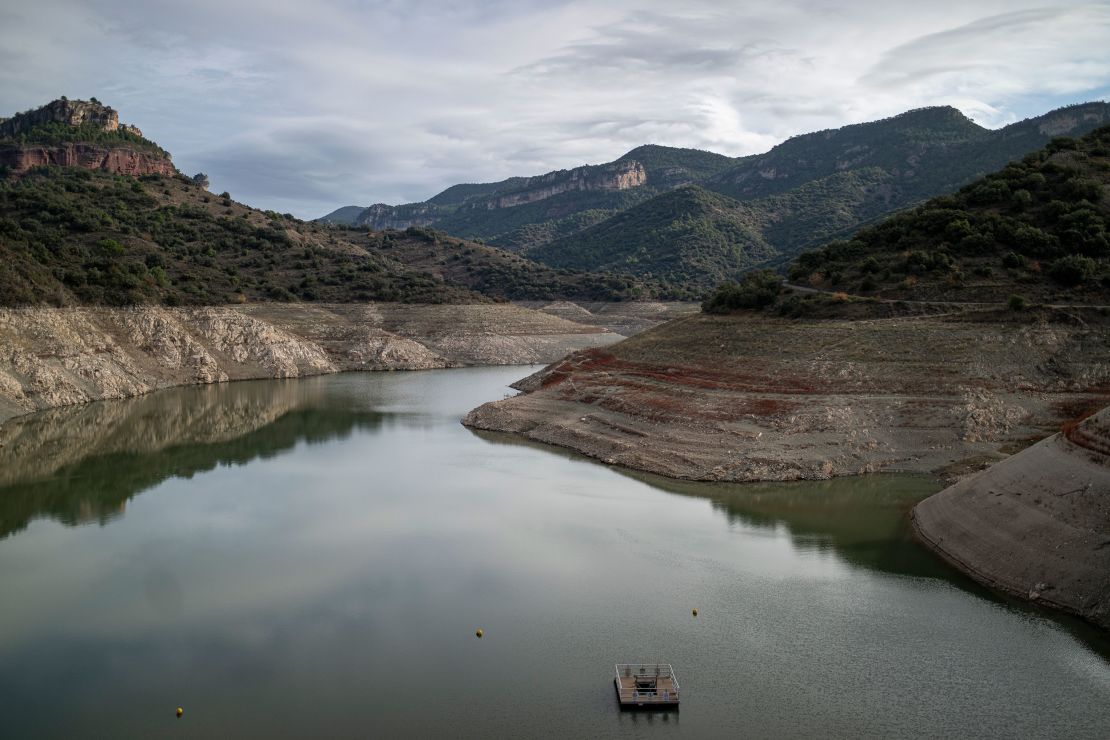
[[303, 107]]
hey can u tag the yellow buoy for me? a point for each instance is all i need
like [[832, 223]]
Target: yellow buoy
[[695, 612], [479, 633], [180, 711]]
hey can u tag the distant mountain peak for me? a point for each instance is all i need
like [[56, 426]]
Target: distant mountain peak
[[648, 150], [940, 121]]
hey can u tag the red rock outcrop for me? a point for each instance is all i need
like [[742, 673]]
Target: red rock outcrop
[[751, 397], [121, 160]]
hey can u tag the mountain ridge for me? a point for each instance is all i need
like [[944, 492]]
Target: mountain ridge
[[803, 192], [869, 171], [1035, 230], [94, 214]]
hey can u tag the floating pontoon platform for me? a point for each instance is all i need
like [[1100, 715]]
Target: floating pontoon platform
[[646, 685]]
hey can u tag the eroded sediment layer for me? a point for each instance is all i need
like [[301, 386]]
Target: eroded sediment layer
[[756, 398], [55, 357], [1037, 524], [624, 317]]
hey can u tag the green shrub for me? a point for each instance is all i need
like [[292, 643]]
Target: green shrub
[[757, 289], [110, 246], [1021, 200], [1073, 270]]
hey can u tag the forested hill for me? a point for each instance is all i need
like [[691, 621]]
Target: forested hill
[[688, 237], [522, 212], [73, 236], [1036, 230], [800, 194]]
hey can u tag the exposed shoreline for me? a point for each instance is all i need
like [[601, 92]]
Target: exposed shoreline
[[750, 398], [1036, 525], [52, 357], [699, 398]]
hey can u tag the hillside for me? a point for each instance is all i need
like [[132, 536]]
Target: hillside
[[522, 212], [500, 274], [669, 166], [754, 396], [83, 133], [825, 185], [72, 236], [92, 213], [687, 237], [800, 194], [344, 216], [1036, 229], [903, 142]]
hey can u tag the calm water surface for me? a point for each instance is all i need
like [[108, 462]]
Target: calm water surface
[[311, 559]]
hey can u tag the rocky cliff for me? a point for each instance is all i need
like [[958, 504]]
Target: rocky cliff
[[119, 160], [55, 357], [381, 216], [615, 176], [79, 133], [72, 113], [1036, 525], [809, 190]]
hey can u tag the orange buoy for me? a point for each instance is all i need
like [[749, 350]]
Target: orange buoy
[[180, 711]]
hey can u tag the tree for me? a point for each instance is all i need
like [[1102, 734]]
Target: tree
[[758, 288], [1073, 270]]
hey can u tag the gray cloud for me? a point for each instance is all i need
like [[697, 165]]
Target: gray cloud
[[303, 107], [980, 57]]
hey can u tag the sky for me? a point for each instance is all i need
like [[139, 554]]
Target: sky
[[303, 107]]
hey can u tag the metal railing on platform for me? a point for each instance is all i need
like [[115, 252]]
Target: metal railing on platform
[[641, 683]]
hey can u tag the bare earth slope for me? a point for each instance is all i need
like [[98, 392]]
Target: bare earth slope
[[60, 356], [750, 397], [1037, 524]]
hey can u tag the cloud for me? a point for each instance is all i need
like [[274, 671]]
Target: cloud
[[994, 60], [303, 107]]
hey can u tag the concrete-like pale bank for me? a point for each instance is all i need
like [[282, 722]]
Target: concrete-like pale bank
[[61, 356], [1037, 524]]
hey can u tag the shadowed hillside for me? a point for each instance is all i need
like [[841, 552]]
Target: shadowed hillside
[[1036, 230], [812, 188], [93, 213]]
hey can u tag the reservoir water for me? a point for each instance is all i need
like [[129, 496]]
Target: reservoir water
[[311, 558]]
